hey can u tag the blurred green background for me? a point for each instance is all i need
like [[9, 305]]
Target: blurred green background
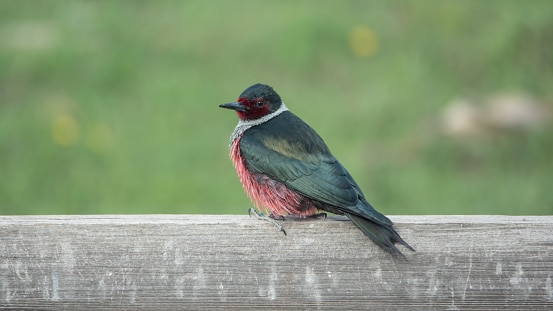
[[435, 107]]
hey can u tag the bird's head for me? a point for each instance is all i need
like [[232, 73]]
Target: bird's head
[[255, 102]]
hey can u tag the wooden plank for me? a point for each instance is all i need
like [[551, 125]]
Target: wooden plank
[[204, 262]]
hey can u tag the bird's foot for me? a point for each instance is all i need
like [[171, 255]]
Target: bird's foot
[[319, 215], [277, 217], [271, 218]]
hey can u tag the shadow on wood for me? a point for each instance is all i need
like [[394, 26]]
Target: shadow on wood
[[235, 262]]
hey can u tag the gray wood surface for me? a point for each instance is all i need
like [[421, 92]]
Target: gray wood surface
[[201, 262]]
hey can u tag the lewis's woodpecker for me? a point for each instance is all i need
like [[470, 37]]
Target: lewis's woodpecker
[[287, 169]]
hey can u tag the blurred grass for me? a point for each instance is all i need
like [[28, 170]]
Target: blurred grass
[[111, 106]]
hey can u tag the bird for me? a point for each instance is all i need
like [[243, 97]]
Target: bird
[[287, 169]]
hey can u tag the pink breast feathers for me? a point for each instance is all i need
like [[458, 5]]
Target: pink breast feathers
[[268, 194]]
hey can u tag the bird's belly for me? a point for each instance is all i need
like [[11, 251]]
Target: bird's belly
[[268, 194], [272, 195]]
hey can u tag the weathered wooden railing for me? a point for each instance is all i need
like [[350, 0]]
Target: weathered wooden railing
[[236, 262]]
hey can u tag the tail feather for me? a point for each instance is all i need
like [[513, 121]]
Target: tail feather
[[383, 235]]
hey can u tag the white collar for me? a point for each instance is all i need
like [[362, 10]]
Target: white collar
[[243, 125]]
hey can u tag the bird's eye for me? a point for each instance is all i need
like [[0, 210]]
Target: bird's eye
[[260, 103]]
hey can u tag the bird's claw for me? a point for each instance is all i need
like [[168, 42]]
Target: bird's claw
[[277, 217], [319, 215], [270, 218]]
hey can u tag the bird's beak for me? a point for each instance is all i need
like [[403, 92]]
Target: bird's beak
[[238, 106]]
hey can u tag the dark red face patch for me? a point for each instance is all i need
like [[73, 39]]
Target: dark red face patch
[[256, 108]]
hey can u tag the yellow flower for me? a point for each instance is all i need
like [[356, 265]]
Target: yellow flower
[[363, 41], [65, 130]]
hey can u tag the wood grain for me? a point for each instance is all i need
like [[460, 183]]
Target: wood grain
[[201, 262]]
